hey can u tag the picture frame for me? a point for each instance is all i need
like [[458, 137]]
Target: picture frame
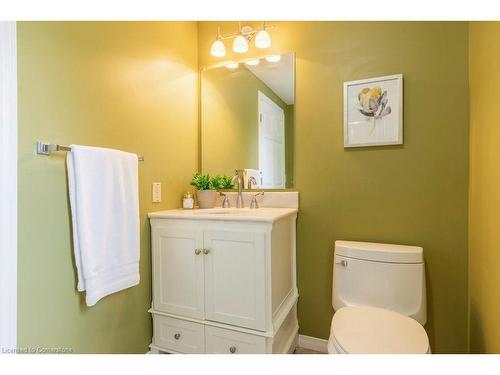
[[373, 111]]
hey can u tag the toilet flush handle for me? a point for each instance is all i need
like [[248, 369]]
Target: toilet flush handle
[[343, 263]]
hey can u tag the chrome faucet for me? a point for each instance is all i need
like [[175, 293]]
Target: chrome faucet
[[251, 181], [237, 179]]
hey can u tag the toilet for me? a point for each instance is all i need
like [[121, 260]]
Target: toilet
[[379, 298]]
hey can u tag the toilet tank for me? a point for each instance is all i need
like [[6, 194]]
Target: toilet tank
[[380, 275]]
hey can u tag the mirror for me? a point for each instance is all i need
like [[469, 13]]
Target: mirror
[[247, 120]]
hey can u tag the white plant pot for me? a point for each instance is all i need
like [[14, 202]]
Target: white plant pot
[[206, 198]]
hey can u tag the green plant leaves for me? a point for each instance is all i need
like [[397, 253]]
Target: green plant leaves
[[222, 182], [201, 181], [205, 182]]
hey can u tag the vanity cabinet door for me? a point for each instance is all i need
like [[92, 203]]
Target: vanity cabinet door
[[235, 274], [178, 270]]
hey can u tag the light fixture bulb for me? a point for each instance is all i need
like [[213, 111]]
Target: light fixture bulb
[[263, 39], [252, 62], [232, 65], [218, 49], [240, 44], [273, 58]]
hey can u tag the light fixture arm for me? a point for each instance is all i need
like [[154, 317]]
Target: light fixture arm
[[248, 34]]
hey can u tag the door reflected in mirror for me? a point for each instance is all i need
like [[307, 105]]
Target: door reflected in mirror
[[247, 121]]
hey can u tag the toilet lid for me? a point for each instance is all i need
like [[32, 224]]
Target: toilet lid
[[372, 330]]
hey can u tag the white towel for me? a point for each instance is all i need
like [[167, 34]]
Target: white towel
[[104, 198]]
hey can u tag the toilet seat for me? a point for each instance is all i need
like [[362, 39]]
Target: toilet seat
[[372, 330]]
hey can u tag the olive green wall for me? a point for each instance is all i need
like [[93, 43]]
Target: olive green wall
[[289, 144], [131, 86], [229, 120], [484, 236], [412, 194]]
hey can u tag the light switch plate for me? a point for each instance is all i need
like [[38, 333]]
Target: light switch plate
[[156, 192]]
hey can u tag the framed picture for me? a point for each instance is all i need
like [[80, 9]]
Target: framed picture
[[373, 111]]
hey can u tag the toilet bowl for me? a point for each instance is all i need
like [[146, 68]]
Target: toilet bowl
[[371, 330], [379, 296]]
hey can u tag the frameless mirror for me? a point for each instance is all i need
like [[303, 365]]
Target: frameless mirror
[[247, 120]]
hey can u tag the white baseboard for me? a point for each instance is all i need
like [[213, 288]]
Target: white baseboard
[[313, 343]]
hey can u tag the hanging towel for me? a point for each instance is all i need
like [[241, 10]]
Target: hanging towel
[[104, 198]]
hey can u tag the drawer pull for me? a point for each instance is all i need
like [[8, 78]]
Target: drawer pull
[[197, 251], [232, 349], [206, 251], [177, 336]]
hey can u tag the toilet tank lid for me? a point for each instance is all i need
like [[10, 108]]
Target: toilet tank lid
[[379, 252]]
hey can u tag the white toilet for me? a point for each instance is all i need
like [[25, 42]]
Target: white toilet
[[379, 299]]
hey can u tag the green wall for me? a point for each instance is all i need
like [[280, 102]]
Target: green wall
[[289, 144], [229, 121], [411, 194], [131, 86], [484, 236]]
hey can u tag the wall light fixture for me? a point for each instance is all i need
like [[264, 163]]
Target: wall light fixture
[[242, 38]]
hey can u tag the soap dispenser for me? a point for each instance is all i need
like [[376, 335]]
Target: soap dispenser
[[188, 201]]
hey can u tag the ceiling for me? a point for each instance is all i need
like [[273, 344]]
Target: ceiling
[[278, 76]]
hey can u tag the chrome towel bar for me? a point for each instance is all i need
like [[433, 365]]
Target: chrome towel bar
[[47, 148]]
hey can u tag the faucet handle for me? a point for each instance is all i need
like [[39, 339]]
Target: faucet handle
[[226, 203], [254, 203]]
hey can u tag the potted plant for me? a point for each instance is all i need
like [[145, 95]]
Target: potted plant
[[205, 191], [206, 188]]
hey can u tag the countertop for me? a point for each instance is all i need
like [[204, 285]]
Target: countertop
[[264, 214]]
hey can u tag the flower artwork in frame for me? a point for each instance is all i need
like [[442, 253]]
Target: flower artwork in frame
[[373, 111]]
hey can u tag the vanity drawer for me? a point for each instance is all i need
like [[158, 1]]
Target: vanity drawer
[[225, 341], [178, 335]]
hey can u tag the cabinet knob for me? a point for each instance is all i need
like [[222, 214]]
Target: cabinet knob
[[177, 336], [232, 349], [206, 251], [197, 251], [343, 263]]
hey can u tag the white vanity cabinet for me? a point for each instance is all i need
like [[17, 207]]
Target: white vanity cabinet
[[224, 284]]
